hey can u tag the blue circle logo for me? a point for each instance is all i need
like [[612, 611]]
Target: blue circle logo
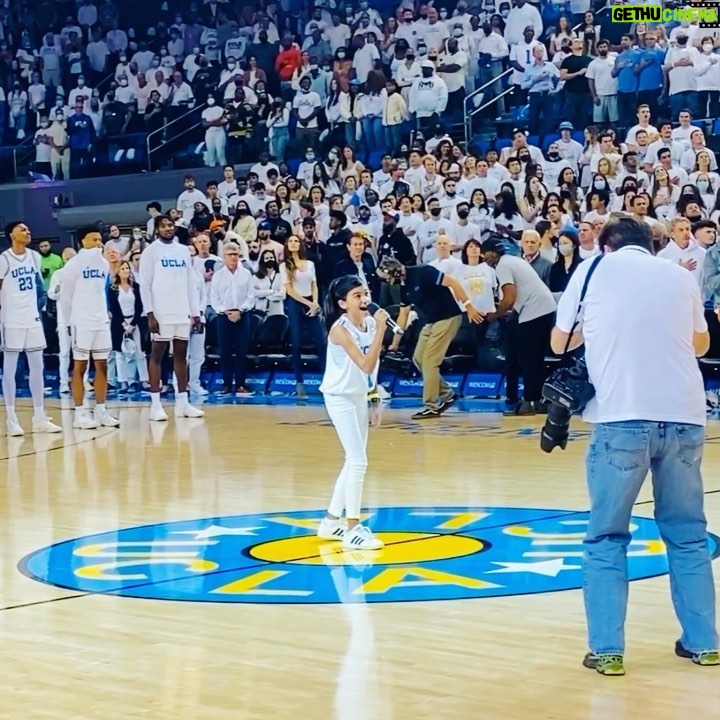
[[430, 553]]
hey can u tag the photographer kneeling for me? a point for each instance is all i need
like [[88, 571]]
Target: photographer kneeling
[[642, 324]]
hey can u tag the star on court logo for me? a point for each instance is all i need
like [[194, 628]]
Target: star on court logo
[[430, 553]]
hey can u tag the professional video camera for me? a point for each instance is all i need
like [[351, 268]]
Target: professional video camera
[[568, 390]]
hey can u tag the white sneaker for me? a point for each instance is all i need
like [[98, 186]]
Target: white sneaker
[[64, 388], [83, 421], [188, 411], [88, 386], [45, 425], [14, 429], [332, 529], [158, 414], [361, 538], [197, 389], [106, 419]]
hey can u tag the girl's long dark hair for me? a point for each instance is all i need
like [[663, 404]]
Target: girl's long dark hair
[[338, 290]]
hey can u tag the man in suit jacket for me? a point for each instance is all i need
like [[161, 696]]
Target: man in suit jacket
[[530, 243], [360, 263]]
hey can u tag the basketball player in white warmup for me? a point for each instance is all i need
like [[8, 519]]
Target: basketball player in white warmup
[[83, 304], [22, 329], [349, 384], [63, 326], [169, 291]]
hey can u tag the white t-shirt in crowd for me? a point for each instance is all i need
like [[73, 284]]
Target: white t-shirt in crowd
[[638, 320], [304, 104]]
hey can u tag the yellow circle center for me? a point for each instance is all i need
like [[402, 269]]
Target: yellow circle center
[[400, 548]]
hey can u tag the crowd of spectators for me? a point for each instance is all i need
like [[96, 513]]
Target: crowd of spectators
[[344, 111]]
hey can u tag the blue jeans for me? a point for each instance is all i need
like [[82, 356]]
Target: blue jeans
[[618, 460], [686, 100], [303, 327], [373, 136]]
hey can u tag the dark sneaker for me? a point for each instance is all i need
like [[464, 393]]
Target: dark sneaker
[[447, 404], [527, 409], [426, 414], [511, 410], [611, 665], [226, 391], [705, 658]]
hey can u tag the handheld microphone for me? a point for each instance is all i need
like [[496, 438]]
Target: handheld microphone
[[374, 307]]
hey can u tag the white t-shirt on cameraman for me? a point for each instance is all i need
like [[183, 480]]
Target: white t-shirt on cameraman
[[638, 320]]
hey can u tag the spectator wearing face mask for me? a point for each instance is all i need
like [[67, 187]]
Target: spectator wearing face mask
[[43, 147], [492, 51], [567, 261], [428, 96], [682, 64]]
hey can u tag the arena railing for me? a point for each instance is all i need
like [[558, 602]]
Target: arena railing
[[173, 123], [469, 115]]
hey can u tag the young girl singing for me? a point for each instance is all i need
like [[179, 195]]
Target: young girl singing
[[348, 386]]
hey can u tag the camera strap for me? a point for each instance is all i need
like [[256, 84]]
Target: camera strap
[[583, 292]]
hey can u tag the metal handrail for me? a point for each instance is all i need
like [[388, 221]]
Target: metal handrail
[[504, 74], [468, 115], [30, 139], [164, 129], [179, 135]]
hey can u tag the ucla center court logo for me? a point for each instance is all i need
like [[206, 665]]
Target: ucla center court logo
[[430, 553]]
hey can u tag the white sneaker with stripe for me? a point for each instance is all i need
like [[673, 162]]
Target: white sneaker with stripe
[[361, 538], [332, 528]]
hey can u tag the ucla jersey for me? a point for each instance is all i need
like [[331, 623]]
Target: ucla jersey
[[19, 294], [342, 375], [83, 291]]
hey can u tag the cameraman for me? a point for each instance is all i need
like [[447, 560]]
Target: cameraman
[[643, 326]]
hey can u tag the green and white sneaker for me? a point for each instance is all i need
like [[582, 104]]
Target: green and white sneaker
[[605, 664], [705, 658]]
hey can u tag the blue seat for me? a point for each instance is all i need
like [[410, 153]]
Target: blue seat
[[375, 159], [533, 140], [501, 143], [578, 136], [549, 140], [293, 165], [716, 126]]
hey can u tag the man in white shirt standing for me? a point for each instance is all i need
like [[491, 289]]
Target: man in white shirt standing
[[21, 326], [306, 108], [187, 199], [603, 86], [452, 69], [643, 326], [170, 299], [681, 65], [215, 122], [83, 304], [519, 18], [231, 298], [683, 249]]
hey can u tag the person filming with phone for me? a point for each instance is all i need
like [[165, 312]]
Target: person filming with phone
[[641, 321]]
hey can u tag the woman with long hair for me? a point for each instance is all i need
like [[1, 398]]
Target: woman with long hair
[[243, 222], [349, 165], [480, 211], [369, 109], [531, 201], [267, 287], [478, 278], [507, 216], [567, 261], [301, 304], [126, 309], [339, 112], [663, 193], [394, 116], [349, 385], [563, 32]]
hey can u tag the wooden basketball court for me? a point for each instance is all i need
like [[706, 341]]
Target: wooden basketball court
[[124, 639]]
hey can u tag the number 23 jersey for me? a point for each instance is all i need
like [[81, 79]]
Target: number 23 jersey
[[19, 293]]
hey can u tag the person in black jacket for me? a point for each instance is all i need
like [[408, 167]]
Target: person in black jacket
[[125, 307], [335, 248], [567, 261], [396, 244], [360, 263]]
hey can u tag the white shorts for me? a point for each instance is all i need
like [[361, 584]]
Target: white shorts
[[97, 343], [172, 331], [23, 339]]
